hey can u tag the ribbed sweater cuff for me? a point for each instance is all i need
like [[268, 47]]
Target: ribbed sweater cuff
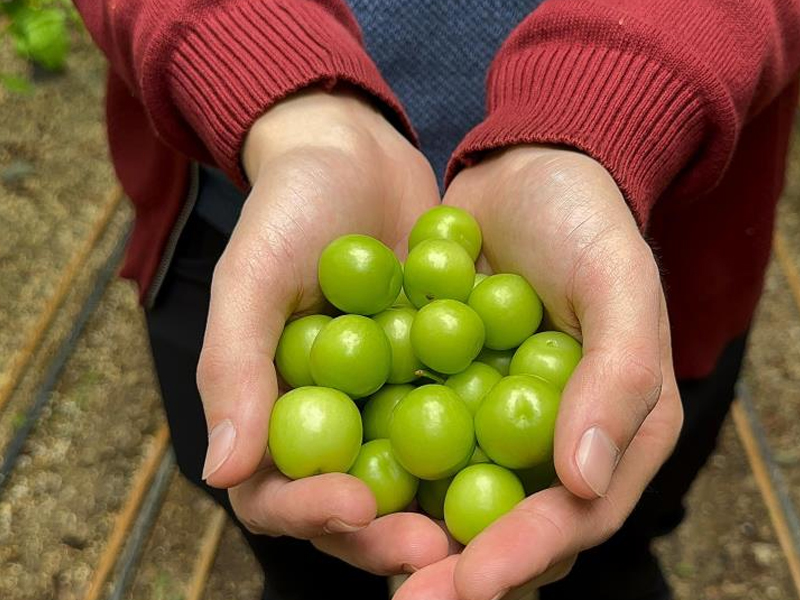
[[239, 58], [635, 116]]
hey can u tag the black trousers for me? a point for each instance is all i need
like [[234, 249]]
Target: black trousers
[[621, 569]]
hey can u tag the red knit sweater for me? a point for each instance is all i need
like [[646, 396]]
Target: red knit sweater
[[688, 103]]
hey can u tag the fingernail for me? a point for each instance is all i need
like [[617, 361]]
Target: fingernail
[[409, 568], [220, 445], [597, 458], [500, 595], [339, 526]]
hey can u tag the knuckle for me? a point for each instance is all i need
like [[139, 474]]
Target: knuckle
[[641, 380], [220, 369], [541, 519], [212, 368]]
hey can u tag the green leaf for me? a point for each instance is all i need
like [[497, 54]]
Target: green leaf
[[16, 84], [10, 8], [41, 36]]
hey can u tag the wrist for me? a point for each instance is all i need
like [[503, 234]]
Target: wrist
[[309, 118], [537, 176], [542, 164]]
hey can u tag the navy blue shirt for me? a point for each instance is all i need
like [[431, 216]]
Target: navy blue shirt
[[434, 54]]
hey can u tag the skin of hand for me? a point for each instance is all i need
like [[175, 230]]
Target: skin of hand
[[557, 217], [322, 165]]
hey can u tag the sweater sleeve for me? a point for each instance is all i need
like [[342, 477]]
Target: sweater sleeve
[[205, 70], [655, 90]]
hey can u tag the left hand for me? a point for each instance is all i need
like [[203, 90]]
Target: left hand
[[558, 218]]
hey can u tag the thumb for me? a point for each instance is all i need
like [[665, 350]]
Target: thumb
[[250, 300], [618, 381]]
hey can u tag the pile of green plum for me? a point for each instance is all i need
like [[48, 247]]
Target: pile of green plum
[[433, 385]]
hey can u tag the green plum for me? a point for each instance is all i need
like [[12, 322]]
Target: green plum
[[447, 335], [359, 274], [551, 355], [396, 324], [351, 354], [394, 487], [314, 430], [437, 269], [377, 412], [509, 308], [477, 497], [473, 383], [499, 360], [431, 494], [515, 423], [479, 277], [448, 223], [431, 432], [294, 349]]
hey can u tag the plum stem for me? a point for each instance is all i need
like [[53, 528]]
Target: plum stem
[[429, 375]]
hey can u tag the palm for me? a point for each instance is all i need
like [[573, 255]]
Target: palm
[[543, 224], [326, 195]]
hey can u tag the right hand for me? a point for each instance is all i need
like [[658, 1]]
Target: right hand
[[322, 165]]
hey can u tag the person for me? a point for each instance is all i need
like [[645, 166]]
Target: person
[[628, 163]]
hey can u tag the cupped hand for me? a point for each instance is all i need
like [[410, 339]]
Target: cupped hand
[[321, 165], [557, 217]]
